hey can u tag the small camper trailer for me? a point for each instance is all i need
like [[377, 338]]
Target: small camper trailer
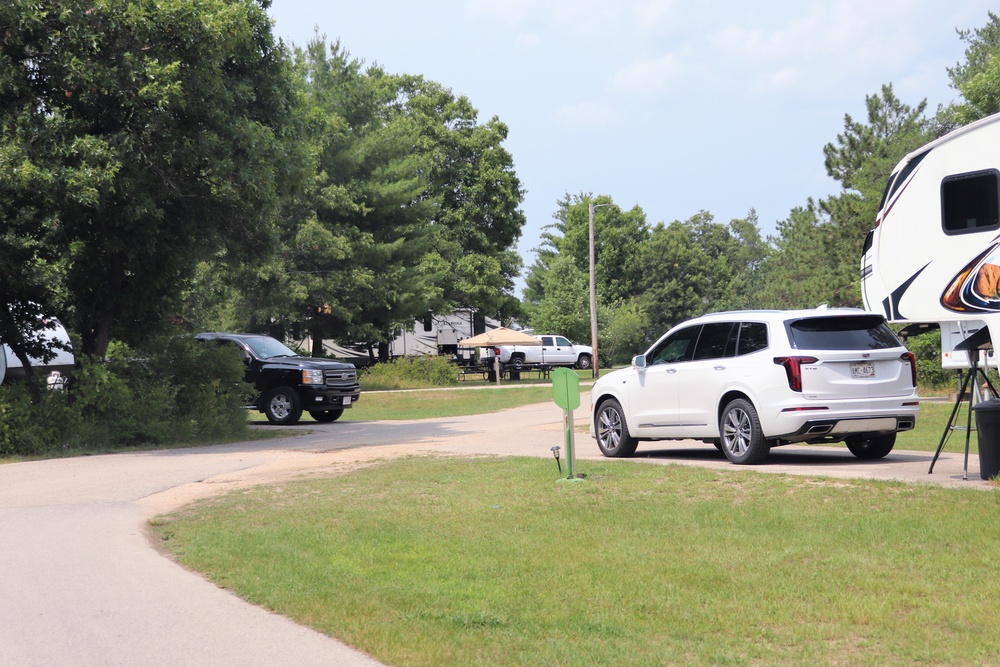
[[934, 254]]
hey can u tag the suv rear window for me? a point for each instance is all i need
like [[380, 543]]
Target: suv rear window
[[862, 332]]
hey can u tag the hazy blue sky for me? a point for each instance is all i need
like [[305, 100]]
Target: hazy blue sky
[[673, 105]]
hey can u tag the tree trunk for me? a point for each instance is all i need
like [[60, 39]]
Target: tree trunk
[[317, 340], [97, 337]]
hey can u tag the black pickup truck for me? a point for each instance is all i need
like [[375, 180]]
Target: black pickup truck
[[287, 383]]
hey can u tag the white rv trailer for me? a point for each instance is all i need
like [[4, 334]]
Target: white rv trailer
[[439, 334], [55, 369], [934, 254]]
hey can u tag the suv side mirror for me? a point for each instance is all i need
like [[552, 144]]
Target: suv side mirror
[[639, 361]]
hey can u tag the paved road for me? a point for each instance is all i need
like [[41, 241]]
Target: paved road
[[80, 583]]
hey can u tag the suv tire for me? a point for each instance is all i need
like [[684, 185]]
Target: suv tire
[[612, 432], [282, 406], [867, 446], [742, 438]]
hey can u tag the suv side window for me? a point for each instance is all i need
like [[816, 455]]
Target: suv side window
[[752, 337], [678, 347], [713, 341]]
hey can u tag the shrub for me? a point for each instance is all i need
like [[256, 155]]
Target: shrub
[[411, 372], [184, 392], [28, 429]]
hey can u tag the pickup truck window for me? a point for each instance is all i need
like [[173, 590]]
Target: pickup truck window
[[547, 341], [562, 342], [268, 347]]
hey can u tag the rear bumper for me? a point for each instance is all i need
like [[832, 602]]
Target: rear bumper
[[826, 428]]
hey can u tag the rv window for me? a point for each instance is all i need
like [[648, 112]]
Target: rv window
[[970, 202]]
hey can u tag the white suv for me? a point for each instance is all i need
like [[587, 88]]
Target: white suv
[[751, 380]]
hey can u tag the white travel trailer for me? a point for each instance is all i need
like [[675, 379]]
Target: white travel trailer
[[54, 370], [934, 254], [439, 334]]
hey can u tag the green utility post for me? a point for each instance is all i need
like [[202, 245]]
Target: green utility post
[[566, 391]]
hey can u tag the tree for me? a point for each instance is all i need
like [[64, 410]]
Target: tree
[[800, 269], [745, 255], [618, 238], [862, 159], [411, 206], [156, 129], [678, 273], [978, 78], [566, 307]]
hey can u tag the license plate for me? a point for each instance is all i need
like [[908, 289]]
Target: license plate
[[863, 370], [347, 399]]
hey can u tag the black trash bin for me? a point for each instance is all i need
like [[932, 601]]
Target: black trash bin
[[988, 431]]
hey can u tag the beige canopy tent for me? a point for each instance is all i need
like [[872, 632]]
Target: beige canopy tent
[[499, 336]]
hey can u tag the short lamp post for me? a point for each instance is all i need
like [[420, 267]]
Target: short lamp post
[[593, 294]]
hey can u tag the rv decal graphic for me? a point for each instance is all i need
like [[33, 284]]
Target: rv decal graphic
[[976, 288], [891, 303]]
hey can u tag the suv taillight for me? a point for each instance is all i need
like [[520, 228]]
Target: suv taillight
[[912, 360], [793, 369]]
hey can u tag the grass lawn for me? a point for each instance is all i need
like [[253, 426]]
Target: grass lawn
[[443, 402], [931, 424], [489, 561], [453, 561]]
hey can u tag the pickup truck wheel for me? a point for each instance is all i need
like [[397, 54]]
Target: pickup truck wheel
[[326, 415], [612, 432], [282, 406], [518, 361], [583, 362]]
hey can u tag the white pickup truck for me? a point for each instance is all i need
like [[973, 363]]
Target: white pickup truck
[[554, 351]]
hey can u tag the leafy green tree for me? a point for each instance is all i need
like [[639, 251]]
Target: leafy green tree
[[618, 236], [678, 275], [622, 328], [566, 307], [862, 159], [799, 270], [413, 206], [744, 254], [978, 78], [618, 239], [155, 129]]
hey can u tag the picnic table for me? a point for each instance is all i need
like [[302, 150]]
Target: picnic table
[[507, 371]]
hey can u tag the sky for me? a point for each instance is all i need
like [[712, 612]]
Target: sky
[[670, 105]]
